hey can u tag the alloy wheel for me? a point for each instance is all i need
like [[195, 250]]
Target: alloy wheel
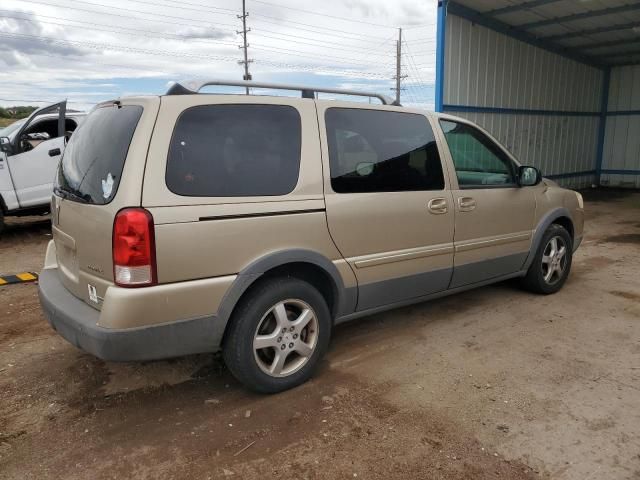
[[554, 260], [285, 338]]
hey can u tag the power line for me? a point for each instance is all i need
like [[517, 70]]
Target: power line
[[412, 61], [283, 21], [360, 61], [129, 17], [323, 14], [267, 62], [202, 5], [412, 64], [321, 44], [421, 40], [280, 22], [348, 61], [421, 25], [181, 6], [22, 100], [329, 33], [106, 46], [95, 4], [143, 33]]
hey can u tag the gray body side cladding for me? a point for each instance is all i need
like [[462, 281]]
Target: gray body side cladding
[[388, 294], [542, 226], [472, 273], [377, 294], [346, 297], [425, 298], [77, 323]]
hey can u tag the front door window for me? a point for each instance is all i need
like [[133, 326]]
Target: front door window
[[478, 161]]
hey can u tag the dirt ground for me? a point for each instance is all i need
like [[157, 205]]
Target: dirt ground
[[492, 383]]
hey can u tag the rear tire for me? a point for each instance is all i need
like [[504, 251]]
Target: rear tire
[[552, 263], [277, 335], [1, 221]]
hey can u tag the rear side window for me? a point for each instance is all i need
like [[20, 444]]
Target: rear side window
[[92, 164], [235, 151], [378, 151]]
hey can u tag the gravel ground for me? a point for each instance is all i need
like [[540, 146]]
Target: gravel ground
[[491, 383]]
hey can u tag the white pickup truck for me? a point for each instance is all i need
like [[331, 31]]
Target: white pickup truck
[[30, 151]]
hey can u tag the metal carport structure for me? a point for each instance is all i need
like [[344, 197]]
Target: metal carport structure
[[556, 81]]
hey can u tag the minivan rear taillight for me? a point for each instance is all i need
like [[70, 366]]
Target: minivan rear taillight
[[134, 248]]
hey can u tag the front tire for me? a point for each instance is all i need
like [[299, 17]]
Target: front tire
[[552, 263], [277, 335]]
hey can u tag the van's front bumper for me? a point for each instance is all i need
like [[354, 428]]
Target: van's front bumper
[[77, 322]]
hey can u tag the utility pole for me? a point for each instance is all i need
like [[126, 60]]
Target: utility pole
[[399, 75], [245, 45]]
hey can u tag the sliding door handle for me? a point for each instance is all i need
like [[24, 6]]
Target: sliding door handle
[[438, 206], [466, 204]]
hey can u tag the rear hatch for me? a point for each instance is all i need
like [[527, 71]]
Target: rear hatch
[[100, 173]]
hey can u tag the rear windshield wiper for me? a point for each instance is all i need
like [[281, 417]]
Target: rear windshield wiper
[[68, 194]]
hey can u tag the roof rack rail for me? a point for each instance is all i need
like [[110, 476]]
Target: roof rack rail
[[194, 86]]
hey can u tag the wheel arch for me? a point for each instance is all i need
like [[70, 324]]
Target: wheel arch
[[567, 223], [559, 216], [307, 265]]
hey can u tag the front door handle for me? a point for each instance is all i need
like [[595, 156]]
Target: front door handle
[[466, 204], [438, 206], [54, 152]]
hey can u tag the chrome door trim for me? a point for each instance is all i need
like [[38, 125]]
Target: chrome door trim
[[375, 259], [492, 241]]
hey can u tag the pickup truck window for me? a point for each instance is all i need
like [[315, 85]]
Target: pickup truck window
[[43, 130], [381, 151]]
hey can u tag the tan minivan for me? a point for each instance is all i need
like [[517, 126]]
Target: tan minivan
[[194, 222]]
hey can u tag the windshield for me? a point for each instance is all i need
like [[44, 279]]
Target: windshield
[[93, 161], [9, 130]]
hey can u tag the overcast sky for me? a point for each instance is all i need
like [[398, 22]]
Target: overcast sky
[[92, 50]]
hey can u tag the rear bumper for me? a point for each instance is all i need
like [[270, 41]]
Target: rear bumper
[[77, 322]]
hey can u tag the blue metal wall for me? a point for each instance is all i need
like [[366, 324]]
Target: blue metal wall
[[544, 107], [621, 150]]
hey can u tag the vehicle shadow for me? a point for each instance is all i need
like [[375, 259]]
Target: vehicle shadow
[[20, 227]]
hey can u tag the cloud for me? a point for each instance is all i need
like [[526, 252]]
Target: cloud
[[368, 9], [204, 33], [109, 49], [22, 37]]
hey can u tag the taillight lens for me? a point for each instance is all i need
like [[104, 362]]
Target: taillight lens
[[134, 249]]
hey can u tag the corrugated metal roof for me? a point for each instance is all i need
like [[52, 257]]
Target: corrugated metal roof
[[605, 31]]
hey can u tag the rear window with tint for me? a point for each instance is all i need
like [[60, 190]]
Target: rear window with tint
[[235, 151], [92, 164]]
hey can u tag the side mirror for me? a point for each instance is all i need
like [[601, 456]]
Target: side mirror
[[5, 144], [529, 176]]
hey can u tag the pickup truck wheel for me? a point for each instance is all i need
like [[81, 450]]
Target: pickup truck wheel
[[277, 335], [552, 263], [1, 221]]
